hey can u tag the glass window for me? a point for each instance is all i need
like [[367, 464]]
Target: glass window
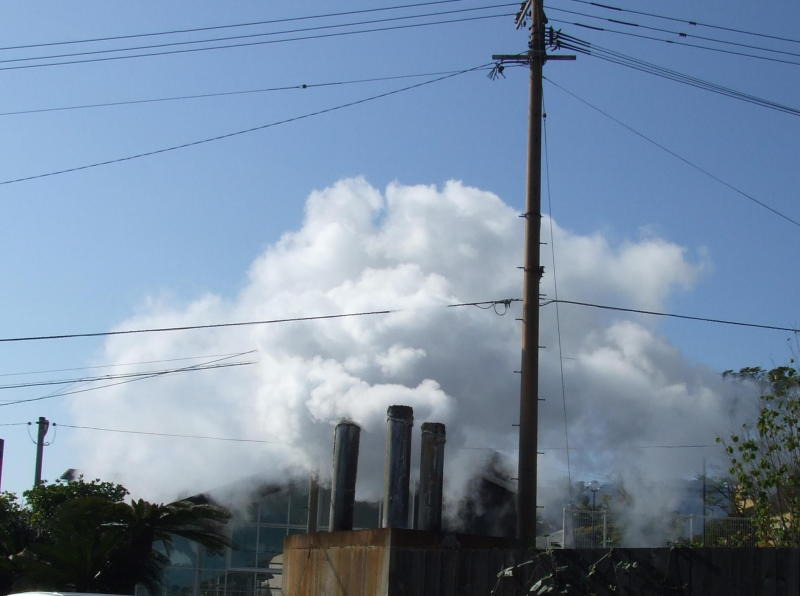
[[212, 560], [182, 552], [365, 515], [274, 508], [212, 583], [324, 508], [248, 584], [270, 544], [178, 582], [243, 549], [244, 538], [298, 501]]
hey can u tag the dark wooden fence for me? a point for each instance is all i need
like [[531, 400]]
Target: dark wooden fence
[[392, 562]]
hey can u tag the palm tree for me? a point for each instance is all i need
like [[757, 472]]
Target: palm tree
[[147, 525], [95, 545]]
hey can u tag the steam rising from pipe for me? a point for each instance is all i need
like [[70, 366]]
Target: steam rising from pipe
[[414, 248]]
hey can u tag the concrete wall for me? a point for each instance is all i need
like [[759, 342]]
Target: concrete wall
[[393, 562]]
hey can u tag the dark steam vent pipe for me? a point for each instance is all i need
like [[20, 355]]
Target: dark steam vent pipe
[[397, 469], [343, 482], [313, 502], [431, 476]]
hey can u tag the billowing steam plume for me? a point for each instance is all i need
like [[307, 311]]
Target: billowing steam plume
[[413, 249]]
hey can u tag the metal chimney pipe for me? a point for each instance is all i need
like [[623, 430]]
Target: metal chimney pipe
[[313, 502], [397, 469], [343, 482], [431, 476]]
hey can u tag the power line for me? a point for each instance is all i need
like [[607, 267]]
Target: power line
[[157, 434], [110, 377], [688, 446], [687, 21], [14, 423], [257, 43], [678, 43], [565, 41], [688, 162], [177, 370], [243, 131], [555, 293], [54, 370], [229, 26], [249, 35], [299, 86], [505, 301], [680, 34], [673, 315]]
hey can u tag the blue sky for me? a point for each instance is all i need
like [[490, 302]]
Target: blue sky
[[87, 250]]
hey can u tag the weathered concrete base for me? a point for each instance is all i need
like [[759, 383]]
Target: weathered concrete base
[[393, 562]]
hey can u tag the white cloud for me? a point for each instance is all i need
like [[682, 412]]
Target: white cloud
[[413, 249]]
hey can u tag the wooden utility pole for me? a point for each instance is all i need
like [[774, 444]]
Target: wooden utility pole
[[532, 10], [43, 424], [529, 385]]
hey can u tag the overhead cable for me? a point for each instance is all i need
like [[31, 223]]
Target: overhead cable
[[249, 35], [688, 21], [555, 293], [678, 43], [676, 155], [242, 440], [298, 86], [191, 368], [228, 26], [505, 301], [157, 434], [74, 368], [228, 135], [569, 42], [256, 43], [680, 34], [673, 315], [109, 377]]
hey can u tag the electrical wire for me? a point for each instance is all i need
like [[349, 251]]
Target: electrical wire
[[157, 434], [555, 293], [687, 22], [677, 43], [229, 26], [299, 86], [243, 131], [249, 35], [94, 388], [145, 373], [690, 446], [565, 41], [242, 323], [614, 57], [680, 34], [676, 155], [673, 315], [257, 43], [55, 370], [14, 423]]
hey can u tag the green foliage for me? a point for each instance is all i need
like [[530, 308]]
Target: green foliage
[[80, 536], [44, 500], [765, 457]]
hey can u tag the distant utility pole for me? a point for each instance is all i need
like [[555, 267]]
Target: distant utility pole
[[2, 448], [43, 424], [535, 58]]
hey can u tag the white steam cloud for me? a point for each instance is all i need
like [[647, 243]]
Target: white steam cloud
[[414, 249]]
